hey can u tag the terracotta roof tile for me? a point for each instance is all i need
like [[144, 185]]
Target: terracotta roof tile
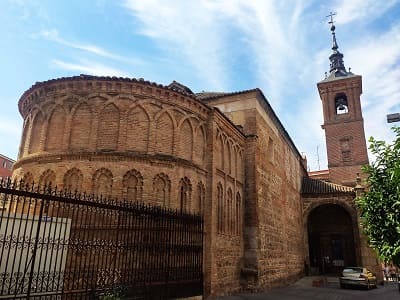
[[315, 186], [214, 95], [171, 87]]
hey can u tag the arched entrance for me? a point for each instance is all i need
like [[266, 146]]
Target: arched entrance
[[330, 239]]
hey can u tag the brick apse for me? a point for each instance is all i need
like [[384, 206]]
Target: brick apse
[[164, 145]]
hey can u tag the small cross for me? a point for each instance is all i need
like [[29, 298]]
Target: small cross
[[331, 14]]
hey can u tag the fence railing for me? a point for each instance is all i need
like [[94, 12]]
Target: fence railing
[[60, 245]]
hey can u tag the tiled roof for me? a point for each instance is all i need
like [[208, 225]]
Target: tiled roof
[[315, 186], [214, 95], [181, 89]]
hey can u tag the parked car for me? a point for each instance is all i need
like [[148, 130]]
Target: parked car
[[357, 276]]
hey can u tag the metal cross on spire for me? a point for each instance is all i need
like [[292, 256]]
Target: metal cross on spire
[[334, 43], [336, 58], [331, 14]]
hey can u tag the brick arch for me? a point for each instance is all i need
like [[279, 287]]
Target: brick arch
[[240, 165], [35, 138], [138, 130], [48, 179], [220, 208], [199, 144], [73, 179], [185, 193], [81, 125], [102, 182], [238, 213], [350, 210], [229, 211], [228, 155], [55, 129], [132, 184], [201, 196], [186, 135], [28, 180], [164, 126], [162, 189], [150, 105], [26, 132], [108, 127], [219, 151]]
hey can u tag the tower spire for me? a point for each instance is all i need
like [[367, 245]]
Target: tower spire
[[337, 68]]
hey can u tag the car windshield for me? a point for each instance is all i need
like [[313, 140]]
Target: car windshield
[[352, 270]]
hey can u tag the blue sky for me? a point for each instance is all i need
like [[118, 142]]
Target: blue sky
[[279, 46]]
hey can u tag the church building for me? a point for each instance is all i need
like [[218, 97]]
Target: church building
[[226, 156]]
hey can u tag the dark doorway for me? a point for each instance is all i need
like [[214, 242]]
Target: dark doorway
[[330, 239]]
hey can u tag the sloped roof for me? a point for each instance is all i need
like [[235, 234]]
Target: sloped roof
[[214, 95], [315, 186]]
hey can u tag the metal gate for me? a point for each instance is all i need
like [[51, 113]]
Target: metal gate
[[58, 245]]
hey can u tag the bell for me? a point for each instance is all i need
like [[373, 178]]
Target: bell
[[341, 107]]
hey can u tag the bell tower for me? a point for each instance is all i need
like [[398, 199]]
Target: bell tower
[[343, 122]]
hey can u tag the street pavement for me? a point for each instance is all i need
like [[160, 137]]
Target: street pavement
[[303, 289]]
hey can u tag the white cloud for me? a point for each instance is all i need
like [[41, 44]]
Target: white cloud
[[89, 68], [189, 31], [364, 10], [53, 35]]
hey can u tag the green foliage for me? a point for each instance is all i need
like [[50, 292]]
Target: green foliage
[[380, 205]]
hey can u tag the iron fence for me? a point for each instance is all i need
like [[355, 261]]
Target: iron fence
[[59, 245]]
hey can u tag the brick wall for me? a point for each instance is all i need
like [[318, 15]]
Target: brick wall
[[6, 166], [273, 229], [144, 142]]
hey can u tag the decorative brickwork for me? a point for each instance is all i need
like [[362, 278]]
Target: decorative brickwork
[[135, 140]]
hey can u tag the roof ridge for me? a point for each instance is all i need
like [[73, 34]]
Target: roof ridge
[[224, 94]]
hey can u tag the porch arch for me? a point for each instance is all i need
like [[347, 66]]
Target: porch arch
[[332, 237]]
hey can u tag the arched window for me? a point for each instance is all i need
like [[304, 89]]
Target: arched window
[[185, 191], [132, 185], [161, 189], [220, 208], [73, 180]]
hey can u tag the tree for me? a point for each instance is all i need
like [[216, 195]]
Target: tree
[[380, 205]]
